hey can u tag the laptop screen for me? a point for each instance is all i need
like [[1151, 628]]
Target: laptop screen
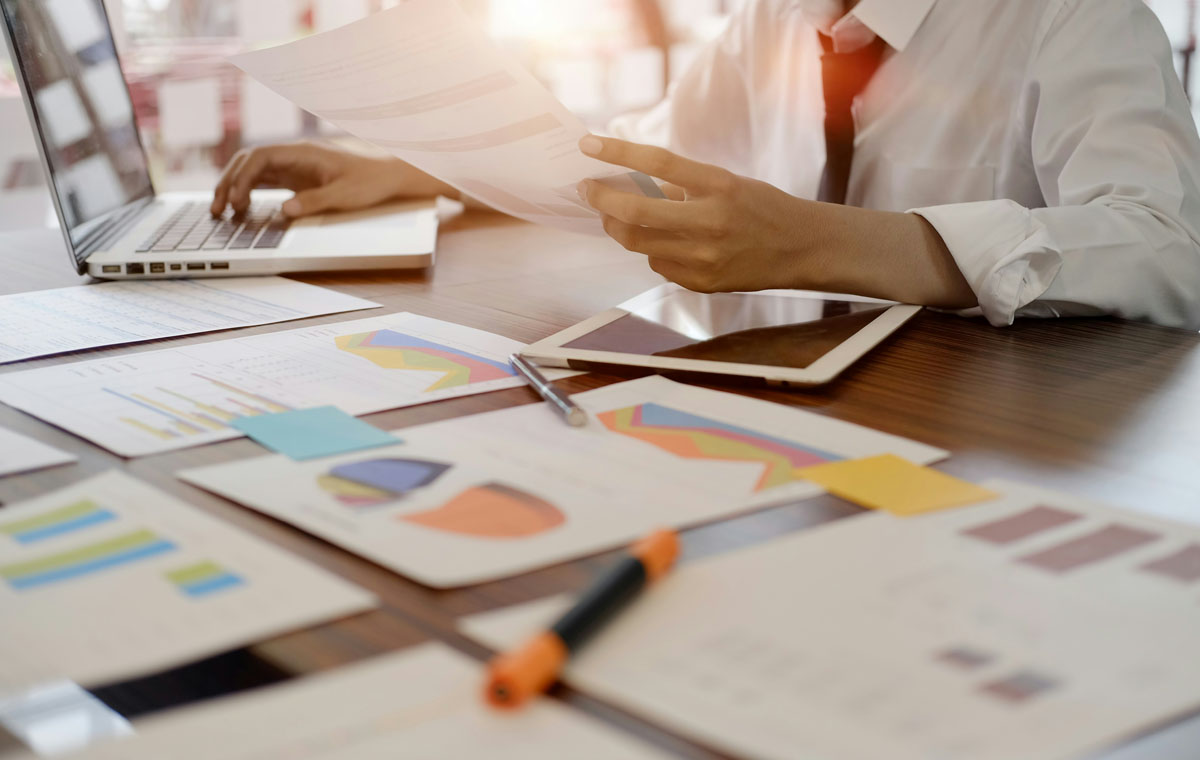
[[64, 51]]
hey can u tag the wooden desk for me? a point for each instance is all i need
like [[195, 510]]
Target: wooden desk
[[1102, 408]]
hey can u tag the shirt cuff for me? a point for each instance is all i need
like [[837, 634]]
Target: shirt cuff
[[1005, 254]]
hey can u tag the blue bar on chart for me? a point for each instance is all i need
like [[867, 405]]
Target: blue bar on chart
[[57, 522]]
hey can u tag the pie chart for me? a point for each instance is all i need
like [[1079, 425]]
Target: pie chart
[[491, 510], [376, 481]]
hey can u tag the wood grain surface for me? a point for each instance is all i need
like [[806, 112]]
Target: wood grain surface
[[1102, 408]]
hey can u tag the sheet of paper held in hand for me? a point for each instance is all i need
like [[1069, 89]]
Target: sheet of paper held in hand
[[423, 83], [1036, 626], [110, 578], [423, 702], [57, 321]]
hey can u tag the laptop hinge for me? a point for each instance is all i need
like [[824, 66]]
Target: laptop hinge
[[112, 229]]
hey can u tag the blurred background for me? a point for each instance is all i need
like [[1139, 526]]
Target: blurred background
[[600, 57]]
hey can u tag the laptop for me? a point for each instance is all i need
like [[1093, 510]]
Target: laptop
[[115, 224]]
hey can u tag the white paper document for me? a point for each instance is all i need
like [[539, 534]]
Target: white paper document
[[421, 703], [110, 578], [481, 497], [46, 322], [174, 398], [20, 453], [422, 82], [1035, 626]]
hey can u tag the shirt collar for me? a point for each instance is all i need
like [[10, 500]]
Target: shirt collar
[[896, 21]]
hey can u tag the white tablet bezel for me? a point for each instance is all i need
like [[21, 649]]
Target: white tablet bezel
[[552, 353]]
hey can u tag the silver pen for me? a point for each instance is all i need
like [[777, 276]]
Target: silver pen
[[562, 403]]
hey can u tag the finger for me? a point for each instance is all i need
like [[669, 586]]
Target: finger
[[221, 192], [248, 175], [638, 209], [674, 192], [647, 240], [657, 162]]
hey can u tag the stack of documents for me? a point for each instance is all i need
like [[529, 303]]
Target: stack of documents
[[481, 497]]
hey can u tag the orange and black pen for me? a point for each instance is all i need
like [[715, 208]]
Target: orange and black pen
[[516, 676]]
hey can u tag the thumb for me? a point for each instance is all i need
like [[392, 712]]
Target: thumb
[[314, 201]]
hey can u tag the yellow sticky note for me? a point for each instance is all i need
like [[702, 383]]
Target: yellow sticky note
[[894, 484]]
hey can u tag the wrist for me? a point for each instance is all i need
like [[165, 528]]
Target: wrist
[[884, 254], [823, 258]]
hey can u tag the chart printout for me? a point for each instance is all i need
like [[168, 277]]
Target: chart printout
[[110, 579], [416, 704], [1036, 626], [422, 82], [156, 401], [489, 495], [57, 321]]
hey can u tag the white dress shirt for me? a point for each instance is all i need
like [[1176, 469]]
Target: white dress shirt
[[1049, 142]]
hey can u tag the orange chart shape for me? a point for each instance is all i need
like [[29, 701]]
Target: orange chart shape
[[694, 437], [491, 510]]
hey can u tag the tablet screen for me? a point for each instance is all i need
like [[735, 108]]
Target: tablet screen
[[744, 328]]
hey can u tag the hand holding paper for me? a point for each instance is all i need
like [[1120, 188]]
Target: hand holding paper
[[421, 82]]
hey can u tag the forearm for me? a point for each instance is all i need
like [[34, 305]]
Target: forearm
[[882, 254]]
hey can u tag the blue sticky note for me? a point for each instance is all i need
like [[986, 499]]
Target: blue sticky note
[[311, 433]]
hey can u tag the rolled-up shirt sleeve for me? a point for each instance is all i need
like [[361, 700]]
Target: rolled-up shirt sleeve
[[1117, 160]]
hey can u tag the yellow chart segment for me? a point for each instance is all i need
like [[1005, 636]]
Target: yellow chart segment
[[695, 437], [189, 415], [193, 418], [394, 350], [156, 432], [215, 411]]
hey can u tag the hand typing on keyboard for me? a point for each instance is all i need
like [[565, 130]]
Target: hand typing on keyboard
[[193, 228], [324, 179]]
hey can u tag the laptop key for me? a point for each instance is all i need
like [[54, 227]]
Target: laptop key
[[246, 237], [274, 233]]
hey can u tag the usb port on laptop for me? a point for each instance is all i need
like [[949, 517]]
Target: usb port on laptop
[[194, 265], [220, 265]]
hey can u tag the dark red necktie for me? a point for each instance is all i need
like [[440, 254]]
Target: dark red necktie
[[844, 76]]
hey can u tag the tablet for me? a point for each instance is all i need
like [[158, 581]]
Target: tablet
[[784, 337]]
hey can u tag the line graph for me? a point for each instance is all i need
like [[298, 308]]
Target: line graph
[[210, 405]]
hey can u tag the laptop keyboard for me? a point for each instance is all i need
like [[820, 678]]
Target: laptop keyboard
[[193, 228]]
